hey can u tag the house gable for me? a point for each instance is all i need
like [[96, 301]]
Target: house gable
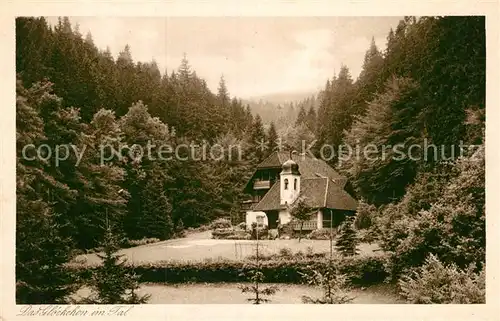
[[321, 185]]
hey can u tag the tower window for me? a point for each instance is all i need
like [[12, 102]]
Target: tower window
[[286, 183], [295, 184]]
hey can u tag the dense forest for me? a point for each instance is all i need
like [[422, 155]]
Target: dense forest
[[427, 86]]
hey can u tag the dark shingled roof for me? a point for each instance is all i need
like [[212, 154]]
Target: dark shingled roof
[[309, 166], [319, 192]]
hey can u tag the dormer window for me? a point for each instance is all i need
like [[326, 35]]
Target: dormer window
[[286, 183], [295, 184]]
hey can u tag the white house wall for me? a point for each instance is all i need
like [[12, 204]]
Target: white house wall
[[285, 217], [251, 217], [320, 219]]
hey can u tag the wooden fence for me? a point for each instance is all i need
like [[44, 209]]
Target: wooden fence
[[308, 225]]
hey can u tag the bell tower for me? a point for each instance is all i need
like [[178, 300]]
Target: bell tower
[[289, 182]]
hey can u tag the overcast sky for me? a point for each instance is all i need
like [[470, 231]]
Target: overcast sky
[[257, 56]]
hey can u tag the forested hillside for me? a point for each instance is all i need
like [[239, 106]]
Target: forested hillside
[[425, 89], [70, 92], [425, 95]]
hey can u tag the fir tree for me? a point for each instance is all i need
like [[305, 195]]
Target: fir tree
[[333, 284], [156, 219], [346, 238], [111, 282], [301, 117], [222, 93], [311, 119], [101, 193], [41, 255], [272, 137], [257, 141], [256, 277], [41, 250]]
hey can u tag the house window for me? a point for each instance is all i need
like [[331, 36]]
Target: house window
[[286, 183], [295, 184], [257, 197]]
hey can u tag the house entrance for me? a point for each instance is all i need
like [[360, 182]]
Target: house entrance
[[272, 219]]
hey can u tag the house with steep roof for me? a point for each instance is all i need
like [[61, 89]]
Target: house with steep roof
[[281, 178]]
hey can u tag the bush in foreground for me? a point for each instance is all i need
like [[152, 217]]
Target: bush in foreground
[[436, 283], [322, 234], [220, 223], [230, 234], [126, 243], [360, 270]]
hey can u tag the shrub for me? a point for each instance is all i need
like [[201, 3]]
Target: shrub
[[440, 214], [286, 230], [201, 228], [368, 236], [242, 226], [285, 252], [364, 215], [221, 233], [238, 235], [179, 230], [360, 270], [272, 234], [364, 269], [126, 243], [322, 234], [220, 223], [434, 282], [230, 234], [263, 231]]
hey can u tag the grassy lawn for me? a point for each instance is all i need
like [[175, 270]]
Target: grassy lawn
[[200, 246], [226, 293]]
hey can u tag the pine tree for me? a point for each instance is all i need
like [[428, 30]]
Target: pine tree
[[311, 119], [41, 250], [346, 238], [101, 193], [41, 255], [389, 120], [301, 117], [257, 141], [370, 80], [185, 73], [156, 220], [331, 282], [111, 283], [272, 137], [256, 277], [248, 117], [222, 93]]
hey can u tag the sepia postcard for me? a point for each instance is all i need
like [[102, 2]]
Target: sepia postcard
[[180, 162]]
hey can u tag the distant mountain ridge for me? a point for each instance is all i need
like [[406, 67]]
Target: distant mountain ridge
[[282, 97], [281, 108]]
